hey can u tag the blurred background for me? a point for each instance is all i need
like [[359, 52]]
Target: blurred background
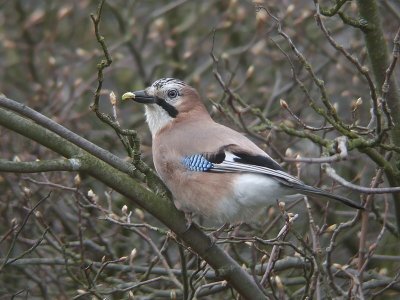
[[48, 61]]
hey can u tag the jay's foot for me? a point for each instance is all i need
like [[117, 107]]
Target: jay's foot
[[215, 234], [189, 220]]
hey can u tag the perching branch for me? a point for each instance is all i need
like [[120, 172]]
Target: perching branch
[[162, 208]]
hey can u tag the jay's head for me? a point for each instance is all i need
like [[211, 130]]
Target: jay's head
[[166, 100]]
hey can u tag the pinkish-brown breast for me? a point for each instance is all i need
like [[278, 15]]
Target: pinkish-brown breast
[[200, 192]]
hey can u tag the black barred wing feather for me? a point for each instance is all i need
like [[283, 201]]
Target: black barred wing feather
[[230, 159]]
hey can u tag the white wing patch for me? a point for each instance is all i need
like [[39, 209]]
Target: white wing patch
[[229, 157], [230, 165]]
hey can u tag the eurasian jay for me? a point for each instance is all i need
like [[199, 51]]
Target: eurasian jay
[[209, 168]]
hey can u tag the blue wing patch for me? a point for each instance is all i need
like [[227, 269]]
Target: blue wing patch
[[197, 163]]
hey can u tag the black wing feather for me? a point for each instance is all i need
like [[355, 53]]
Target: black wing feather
[[245, 162], [258, 160]]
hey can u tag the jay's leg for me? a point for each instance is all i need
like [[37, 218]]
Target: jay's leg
[[189, 219], [215, 234]]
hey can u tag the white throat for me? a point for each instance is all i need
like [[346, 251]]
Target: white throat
[[156, 118]]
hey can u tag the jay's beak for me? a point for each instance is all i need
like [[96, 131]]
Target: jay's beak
[[140, 97]]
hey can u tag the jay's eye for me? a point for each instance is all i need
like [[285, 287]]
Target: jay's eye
[[172, 94]]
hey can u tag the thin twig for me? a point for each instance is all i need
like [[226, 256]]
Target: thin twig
[[352, 59], [273, 257], [21, 227], [366, 190], [388, 75]]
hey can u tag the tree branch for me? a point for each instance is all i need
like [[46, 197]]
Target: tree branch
[[71, 165], [366, 190], [379, 59], [160, 207]]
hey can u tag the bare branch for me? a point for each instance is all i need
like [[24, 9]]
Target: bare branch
[[72, 164], [332, 174]]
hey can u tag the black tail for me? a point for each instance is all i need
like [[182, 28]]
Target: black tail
[[312, 191]]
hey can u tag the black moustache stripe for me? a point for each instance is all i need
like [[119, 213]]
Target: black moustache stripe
[[170, 109]]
